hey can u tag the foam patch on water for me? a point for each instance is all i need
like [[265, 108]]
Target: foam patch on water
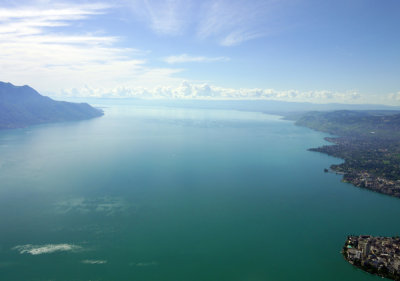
[[142, 264], [94, 261], [46, 249], [106, 205]]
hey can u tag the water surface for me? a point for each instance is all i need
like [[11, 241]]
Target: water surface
[[152, 193]]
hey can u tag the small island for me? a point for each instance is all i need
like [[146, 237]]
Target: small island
[[376, 255]]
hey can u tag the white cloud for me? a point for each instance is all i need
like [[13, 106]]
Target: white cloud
[[184, 58], [395, 96], [205, 91], [58, 12], [38, 48]]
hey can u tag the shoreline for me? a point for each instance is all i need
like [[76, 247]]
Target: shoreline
[[358, 178], [356, 152], [376, 255]]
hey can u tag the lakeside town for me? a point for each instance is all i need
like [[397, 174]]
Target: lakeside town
[[376, 255], [370, 167], [369, 143], [374, 183]]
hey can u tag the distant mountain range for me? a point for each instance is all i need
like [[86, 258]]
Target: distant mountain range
[[284, 108], [22, 106]]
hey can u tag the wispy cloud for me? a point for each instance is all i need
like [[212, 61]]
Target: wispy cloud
[[59, 11], [226, 22], [233, 22], [33, 20], [168, 17], [238, 36], [184, 58], [43, 41]]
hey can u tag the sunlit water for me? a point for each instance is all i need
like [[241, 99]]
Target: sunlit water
[[152, 193]]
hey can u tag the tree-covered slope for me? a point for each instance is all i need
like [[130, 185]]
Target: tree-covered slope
[[21, 106], [378, 124]]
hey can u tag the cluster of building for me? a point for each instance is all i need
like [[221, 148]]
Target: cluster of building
[[378, 184], [376, 255]]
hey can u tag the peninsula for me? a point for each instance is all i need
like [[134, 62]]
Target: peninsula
[[22, 106], [376, 255], [369, 143]]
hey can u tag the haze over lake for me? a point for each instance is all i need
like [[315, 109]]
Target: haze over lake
[[157, 193]]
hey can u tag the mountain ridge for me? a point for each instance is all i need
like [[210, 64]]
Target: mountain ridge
[[22, 106]]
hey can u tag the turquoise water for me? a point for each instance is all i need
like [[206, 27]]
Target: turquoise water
[[152, 193]]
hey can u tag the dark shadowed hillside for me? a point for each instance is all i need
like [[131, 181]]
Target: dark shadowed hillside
[[21, 106]]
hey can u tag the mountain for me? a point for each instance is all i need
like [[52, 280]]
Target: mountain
[[22, 106], [284, 108]]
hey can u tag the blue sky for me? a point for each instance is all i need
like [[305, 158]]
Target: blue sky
[[297, 50]]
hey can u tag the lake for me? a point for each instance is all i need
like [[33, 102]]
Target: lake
[[153, 193]]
